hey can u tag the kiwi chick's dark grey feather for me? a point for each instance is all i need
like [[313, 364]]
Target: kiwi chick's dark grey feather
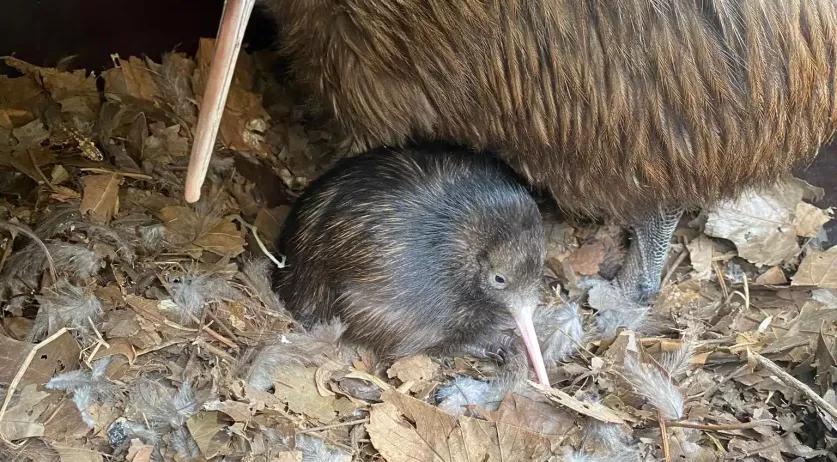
[[427, 249]]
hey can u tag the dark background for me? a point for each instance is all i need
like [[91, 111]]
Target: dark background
[[46, 31]]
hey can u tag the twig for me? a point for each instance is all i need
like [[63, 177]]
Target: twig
[[40, 173], [335, 425], [664, 435], [222, 326], [23, 367], [255, 231], [793, 382], [336, 443], [200, 342], [724, 427], [7, 250], [674, 266], [220, 338], [154, 348], [136, 176]]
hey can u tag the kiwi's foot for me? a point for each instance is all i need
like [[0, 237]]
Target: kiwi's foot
[[500, 348], [639, 278]]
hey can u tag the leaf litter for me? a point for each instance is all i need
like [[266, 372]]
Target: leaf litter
[[137, 327]]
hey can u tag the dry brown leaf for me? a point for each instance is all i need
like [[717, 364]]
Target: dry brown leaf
[[419, 369], [245, 119], [75, 91], [238, 411], [69, 454], [818, 269], [58, 356], [288, 456], [21, 419], [403, 428], [296, 386], [587, 258], [101, 196], [131, 78], [811, 219], [139, 452], [700, 254], [538, 416], [269, 222], [762, 224], [224, 239], [117, 346], [773, 276], [205, 429], [164, 144]]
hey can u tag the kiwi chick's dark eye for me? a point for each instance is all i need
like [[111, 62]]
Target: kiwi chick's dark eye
[[499, 279]]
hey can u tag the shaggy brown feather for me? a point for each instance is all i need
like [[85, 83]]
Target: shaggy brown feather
[[611, 105]]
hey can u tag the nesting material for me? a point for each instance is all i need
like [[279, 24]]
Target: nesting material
[[87, 388], [178, 348], [310, 348], [66, 305]]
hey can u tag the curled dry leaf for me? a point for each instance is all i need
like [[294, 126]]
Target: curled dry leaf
[[403, 428], [818, 269]]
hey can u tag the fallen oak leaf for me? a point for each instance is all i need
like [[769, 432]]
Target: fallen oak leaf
[[403, 428], [215, 234], [21, 419], [811, 219], [223, 239], [131, 77], [818, 269], [101, 196], [139, 452], [761, 223], [774, 276], [206, 429], [69, 454], [419, 369], [539, 416], [296, 386], [58, 356]]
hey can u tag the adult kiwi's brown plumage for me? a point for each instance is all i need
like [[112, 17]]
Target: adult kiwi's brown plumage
[[428, 249], [631, 109]]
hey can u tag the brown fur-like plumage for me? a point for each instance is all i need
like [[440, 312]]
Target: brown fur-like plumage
[[611, 105]]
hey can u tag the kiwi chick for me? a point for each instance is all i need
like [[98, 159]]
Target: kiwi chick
[[425, 249]]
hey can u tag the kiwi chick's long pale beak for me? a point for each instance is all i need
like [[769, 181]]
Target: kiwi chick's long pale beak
[[228, 44], [523, 318]]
